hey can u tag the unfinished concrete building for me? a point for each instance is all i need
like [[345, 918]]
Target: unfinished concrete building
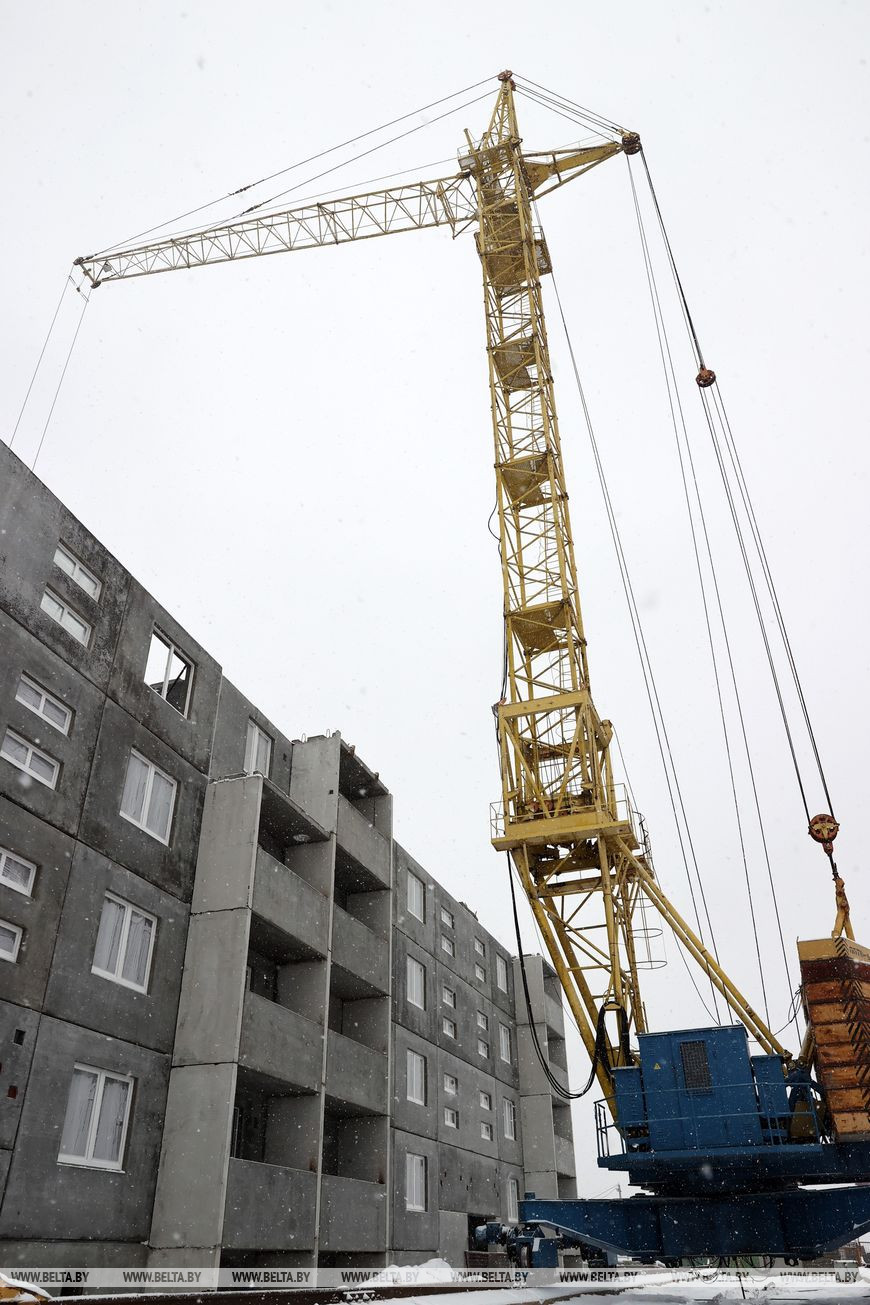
[[239, 1023]]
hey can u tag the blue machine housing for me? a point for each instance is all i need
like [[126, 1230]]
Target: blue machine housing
[[721, 1140]]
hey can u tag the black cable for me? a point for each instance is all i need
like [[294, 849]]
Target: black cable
[[87, 300], [68, 281], [589, 114], [301, 164]]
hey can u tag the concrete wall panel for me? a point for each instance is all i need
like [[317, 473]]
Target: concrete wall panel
[[38, 915], [268, 1208], [210, 1010]]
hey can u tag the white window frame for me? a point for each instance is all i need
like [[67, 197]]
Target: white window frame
[[45, 697], [505, 1042], [16, 945], [483, 1048], [448, 918], [449, 1027], [32, 751], [418, 970], [480, 973], [414, 1061], [448, 996], [146, 802], [76, 570], [117, 977], [448, 946], [485, 1099], [451, 1085], [480, 946], [513, 1200], [172, 649], [67, 611], [88, 1161], [486, 1132], [410, 893], [509, 1112], [416, 1183], [252, 748], [5, 856], [451, 1117], [483, 1021], [501, 972]]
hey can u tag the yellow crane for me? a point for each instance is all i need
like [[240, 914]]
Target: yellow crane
[[562, 818]]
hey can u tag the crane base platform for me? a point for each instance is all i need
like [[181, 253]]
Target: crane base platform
[[800, 1222]]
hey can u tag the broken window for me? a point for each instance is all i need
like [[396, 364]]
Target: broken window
[[169, 673]]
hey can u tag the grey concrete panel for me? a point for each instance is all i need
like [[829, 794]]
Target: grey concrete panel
[[539, 1144], [292, 1132], [359, 951], [105, 828], [52, 853], [453, 1237], [361, 841], [355, 1146], [87, 1254], [356, 1075], [374, 910], [467, 1101], [301, 986], [268, 1207], [414, 1230], [425, 933], [230, 738], [509, 1151], [23, 652], [422, 1022], [409, 1115], [468, 1182], [565, 1162], [353, 1215], [5, 1158], [291, 906], [544, 1183], [191, 1188], [280, 1045], [227, 845], [314, 778], [33, 522], [533, 1081], [75, 993], [189, 735], [72, 1201], [212, 990], [18, 1030]]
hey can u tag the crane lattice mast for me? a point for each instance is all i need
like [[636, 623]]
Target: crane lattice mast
[[569, 834]]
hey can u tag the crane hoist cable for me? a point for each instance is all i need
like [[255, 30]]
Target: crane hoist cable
[[353, 140], [68, 281]]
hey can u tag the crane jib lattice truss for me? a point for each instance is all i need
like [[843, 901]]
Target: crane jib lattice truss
[[561, 817]]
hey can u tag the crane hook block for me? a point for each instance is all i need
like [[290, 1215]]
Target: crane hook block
[[631, 143], [705, 378], [823, 829]]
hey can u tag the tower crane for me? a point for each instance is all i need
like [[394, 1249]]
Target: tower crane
[[721, 1141]]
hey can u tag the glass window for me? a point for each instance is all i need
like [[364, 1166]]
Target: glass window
[[125, 941], [447, 917], [95, 1126], [451, 1117], [10, 941], [480, 946], [504, 1043], [510, 1121], [416, 1075], [482, 1047], [513, 1200], [77, 571], [449, 1027], [59, 610], [480, 973], [486, 1132], [415, 1182], [169, 673], [43, 704], [448, 996], [447, 945], [501, 972], [416, 897], [33, 761], [258, 751], [416, 983], [451, 1084], [148, 798], [16, 873], [483, 1021], [485, 1101]]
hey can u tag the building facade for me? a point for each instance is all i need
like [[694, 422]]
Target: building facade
[[240, 1024]]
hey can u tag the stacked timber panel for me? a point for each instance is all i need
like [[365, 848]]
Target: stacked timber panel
[[835, 974]]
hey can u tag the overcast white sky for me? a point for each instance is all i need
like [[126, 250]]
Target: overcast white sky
[[294, 454]]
